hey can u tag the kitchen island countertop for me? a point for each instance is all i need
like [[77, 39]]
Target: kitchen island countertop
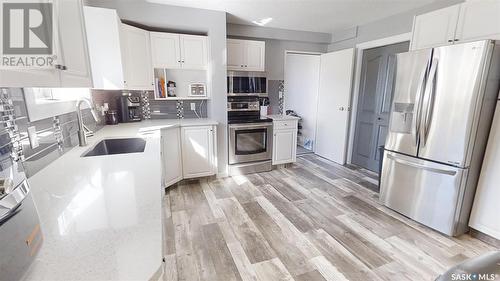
[[101, 216]]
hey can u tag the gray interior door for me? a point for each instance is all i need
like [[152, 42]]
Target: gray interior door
[[374, 103]]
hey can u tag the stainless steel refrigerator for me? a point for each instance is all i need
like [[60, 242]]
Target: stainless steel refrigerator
[[440, 119]]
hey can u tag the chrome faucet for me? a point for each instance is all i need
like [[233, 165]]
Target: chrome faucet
[[84, 131]]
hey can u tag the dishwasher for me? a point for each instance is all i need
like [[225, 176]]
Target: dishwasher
[[20, 233]]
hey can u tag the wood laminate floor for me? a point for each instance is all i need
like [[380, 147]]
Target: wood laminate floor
[[314, 220]]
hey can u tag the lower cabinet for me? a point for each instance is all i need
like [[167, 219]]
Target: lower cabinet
[[198, 151], [284, 142], [188, 152], [172, 156]]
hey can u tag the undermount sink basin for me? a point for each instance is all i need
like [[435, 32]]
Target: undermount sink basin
[[117, 146]]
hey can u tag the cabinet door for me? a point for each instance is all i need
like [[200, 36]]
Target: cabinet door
[[172, 156], [284, 146], [136, 58], [255, 52], [436, 28], [479, 20], [73, 44], [194, 52], [103, 37], [197, 151], [235, 54], [165, 50]]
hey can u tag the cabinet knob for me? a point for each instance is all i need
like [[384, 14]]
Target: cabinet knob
[[246, 65], [242, 65], [178, 61], [449, 41], [455, 40]]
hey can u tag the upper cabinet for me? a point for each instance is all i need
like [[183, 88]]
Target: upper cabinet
[[472, 20], [73, 45], [479, 20], [179, 51], [246, 55], [136, 58], [103, 36], [71, 67], [436, 28]]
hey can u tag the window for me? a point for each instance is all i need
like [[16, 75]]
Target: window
[[43, 103]]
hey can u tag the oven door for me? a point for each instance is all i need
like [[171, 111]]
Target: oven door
[[250, 142]]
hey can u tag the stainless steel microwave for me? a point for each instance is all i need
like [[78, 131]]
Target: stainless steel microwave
[[246, 86]]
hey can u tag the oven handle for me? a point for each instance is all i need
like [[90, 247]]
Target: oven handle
[[11, 202], [250, 125]]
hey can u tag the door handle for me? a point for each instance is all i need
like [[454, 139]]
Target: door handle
[[418, 102], [421, 166], [428, 101]]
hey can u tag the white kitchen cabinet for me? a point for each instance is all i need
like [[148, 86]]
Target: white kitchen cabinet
[[478, 20], [179, 51], [235, 54], [484, 215], [172, 156], [469, 21], [436, 28], [165, 50], [71, 67], [198, 151], [246, 55], [136, 58], [284, 142], [194, 51], [73, 45], [103, 38]]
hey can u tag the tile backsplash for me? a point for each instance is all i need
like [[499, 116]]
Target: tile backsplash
[[58, 134], [154, 109], [55, 135]]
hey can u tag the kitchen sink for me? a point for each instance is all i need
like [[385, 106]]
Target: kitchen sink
[[117, 146]]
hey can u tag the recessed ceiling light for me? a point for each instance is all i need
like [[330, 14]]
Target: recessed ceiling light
[[262, 22]]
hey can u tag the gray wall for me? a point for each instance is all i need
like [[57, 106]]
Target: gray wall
[[397, 24], [188, 20]]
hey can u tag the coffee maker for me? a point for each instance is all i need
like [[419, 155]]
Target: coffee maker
[[130, 108]]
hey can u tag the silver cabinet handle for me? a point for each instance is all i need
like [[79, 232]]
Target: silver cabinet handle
[[420, 166]]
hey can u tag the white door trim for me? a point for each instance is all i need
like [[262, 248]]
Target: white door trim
[[357, 79]]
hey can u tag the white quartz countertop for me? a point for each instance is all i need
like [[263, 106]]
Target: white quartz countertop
[[101, 216], [282, 117]]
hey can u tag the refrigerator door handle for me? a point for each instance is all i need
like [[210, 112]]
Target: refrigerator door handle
[[418, 102], [428, 101], [420, 166]]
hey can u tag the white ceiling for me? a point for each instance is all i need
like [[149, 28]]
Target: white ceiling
[[308, 15]]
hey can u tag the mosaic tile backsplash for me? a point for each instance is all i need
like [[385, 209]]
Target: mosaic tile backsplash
[[155, 109], [56, 135]]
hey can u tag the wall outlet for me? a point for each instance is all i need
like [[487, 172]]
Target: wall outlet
[[193, 106]]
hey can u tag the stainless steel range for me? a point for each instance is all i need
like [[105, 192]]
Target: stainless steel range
[[250, 136]]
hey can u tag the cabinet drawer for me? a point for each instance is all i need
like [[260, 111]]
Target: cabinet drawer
[[288, 124]]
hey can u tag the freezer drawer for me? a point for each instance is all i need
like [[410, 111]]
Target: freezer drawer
[[424, 191]]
